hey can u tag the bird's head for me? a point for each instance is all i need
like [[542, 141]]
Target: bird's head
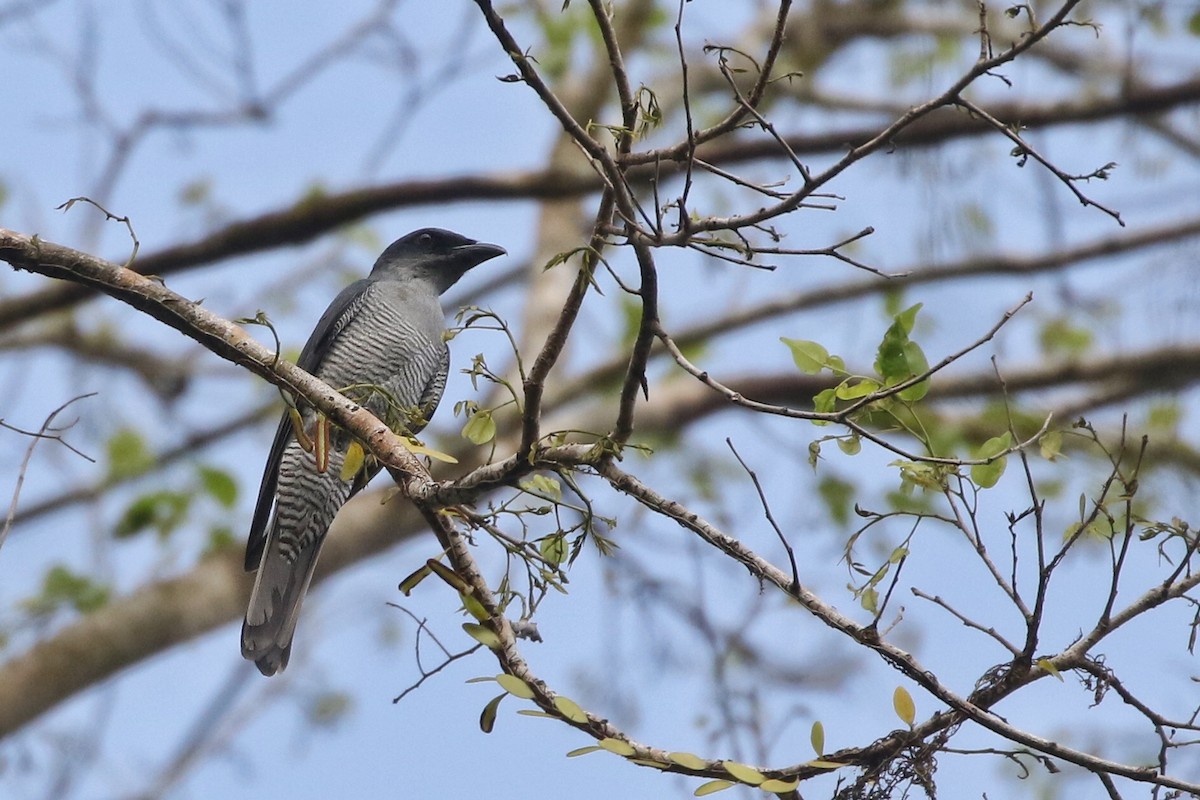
[[438, 256]]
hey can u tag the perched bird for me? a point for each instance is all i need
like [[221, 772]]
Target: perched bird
[[380, 342]]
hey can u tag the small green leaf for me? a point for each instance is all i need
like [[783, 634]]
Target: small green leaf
[[817, 737], [487, 719], [570, 709], [744, 772], [514, 686], [352, 463], [712, 787], [582, 751], [810, 357], [554, 548], [128, 454], [689, 760], [618, 746], [825, 401], [821, 763], [536, 712], [854, 388], [1050, 445], [869, 600], [906, 709], [485, 636], [219, 485], [986, 476], [850, 445], [777, 786], [1047, 665], [480, 428], [410, 583], [543, 486], [474, 607]]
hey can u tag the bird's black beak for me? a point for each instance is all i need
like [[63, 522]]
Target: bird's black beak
[[475, 253]]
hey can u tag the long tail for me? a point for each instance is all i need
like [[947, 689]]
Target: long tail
[[279, 590], [306, 503]]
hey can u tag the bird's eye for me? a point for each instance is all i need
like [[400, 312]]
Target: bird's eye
[[425, 240]]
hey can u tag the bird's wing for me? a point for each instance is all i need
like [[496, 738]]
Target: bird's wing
[[339, 314]]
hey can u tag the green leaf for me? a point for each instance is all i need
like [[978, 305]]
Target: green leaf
[[908, 317], [352, 463], [906, 709], [1050, 445], [618, 746], [583, 751], [570, 709], [689, 760], [824, 402], [1193, 24], [474, 607], [485, 636], [414, 578], [986, 476], [1047, 665], [821, 763], [554, 548], [161, 511], [810, 357], [128, 455], [892, 361], [514, 686], [854, 388], [480, 428], [917, 364], [777, 786], [219, 485], [63, 587], [712, 787], [850, 445], [487, 718], [543, 486], [744, 772], [869, 600], [817, 737]]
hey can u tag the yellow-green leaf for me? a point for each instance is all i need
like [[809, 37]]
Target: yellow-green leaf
[[570, 709], [810, 357], [777, 786], [583, 751], [418, 449], [1047, 665], [448, 575], [712, 787], [514, 686], [906, 709], [535, 712], [554, 548], [821, 763], [618, 746], [744, 772], [353, 461], [689, 760], [474, 607], [410, 583], [480, 428], [986, 476], [487, 719], [817, 737], [485, 636]]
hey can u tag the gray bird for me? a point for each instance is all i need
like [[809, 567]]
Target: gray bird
[[381, 342]]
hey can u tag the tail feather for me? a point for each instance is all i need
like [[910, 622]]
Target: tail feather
[[274, 608]]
